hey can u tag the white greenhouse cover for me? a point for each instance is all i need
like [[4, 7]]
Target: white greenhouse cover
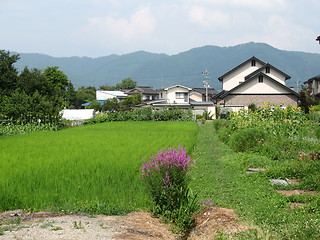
[[77, 114]]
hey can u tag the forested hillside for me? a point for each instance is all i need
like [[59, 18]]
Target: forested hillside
[[161, 70]]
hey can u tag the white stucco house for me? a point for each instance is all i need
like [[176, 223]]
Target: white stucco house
[[255, 82], [179, 96], [147, 93], [176, 95]]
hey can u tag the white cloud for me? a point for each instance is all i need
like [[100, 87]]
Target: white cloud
[[238, 5], [101, 27], [285, 34], [210, 17], [270, 4], [139, 23]]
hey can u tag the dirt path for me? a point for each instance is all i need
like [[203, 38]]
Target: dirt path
[[134, 226]]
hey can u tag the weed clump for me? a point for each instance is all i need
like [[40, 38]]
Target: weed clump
[[167, 177]]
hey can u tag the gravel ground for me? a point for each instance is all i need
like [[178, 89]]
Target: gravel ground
[[18, 225], [40, 226]]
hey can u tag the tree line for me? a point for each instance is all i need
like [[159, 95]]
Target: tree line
[[35, 95]]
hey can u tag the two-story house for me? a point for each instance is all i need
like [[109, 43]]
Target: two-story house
[[147, 93], [181, 97], [255, 82]]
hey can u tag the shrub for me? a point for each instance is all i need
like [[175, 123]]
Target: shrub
[[142, 114], [220, 123], [224, 134], [317, 131], [166, 177], [173, 114], [247, 139]]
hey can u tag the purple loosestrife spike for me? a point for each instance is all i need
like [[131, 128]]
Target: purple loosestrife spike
[[170, 158]]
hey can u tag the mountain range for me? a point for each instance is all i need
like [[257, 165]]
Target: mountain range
[[162, 70]]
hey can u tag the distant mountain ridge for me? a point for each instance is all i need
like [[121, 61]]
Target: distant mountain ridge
[[162, 70]]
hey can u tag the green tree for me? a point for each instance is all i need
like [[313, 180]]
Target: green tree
[[33, 80], [111, 105], [34, 94], [57, 79], [8, 73], [94, 105], [131, 101], [126, 83], [58, 86], [307, 100], [83, 95], [106, 87]]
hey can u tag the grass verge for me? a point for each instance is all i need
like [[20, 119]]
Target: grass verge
[[220, 175]]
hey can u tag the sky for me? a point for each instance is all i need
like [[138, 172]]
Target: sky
[[95, 28]]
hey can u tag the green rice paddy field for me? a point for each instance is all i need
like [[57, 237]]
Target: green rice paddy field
[[91, 168]]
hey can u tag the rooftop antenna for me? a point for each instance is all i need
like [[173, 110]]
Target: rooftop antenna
[[206, 83]]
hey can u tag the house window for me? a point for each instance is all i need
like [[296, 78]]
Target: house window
[[161, 96], [180, 95], [260, 79], [253, 63], [268, 69]]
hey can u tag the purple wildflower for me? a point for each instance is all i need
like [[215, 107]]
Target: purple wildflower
[[167, 159], [207, 202], [166, 181]]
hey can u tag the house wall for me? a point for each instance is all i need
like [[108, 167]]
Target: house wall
[[200, 110], [234, 78], [276, 76], [195, 96], [254, 87], [258, 100], [315, 86]]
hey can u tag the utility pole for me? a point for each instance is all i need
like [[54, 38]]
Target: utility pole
[[297, 82], [206, 83]]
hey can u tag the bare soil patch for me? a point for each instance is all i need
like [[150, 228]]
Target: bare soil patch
[[292, 192], [214, 220], [134, 226]]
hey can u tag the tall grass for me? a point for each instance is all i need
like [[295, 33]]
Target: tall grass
[[92, 168]]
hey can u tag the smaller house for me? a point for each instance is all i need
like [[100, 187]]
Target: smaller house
[[147, 93], [313, 85], [180, 96], [174, 96]]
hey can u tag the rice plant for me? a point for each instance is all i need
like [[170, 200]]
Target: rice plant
[[93, 168]]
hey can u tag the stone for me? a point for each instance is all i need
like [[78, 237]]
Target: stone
[[279, 181]]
